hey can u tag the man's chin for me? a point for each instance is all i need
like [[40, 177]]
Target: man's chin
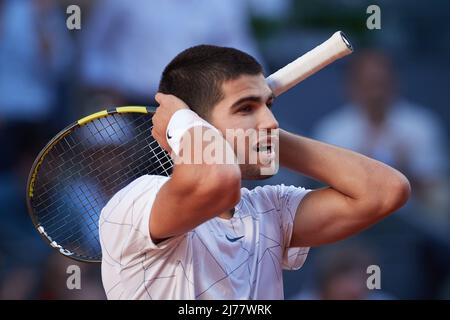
[[257, 172]]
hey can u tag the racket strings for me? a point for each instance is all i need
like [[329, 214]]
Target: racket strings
[[85, 168], [165, 166]]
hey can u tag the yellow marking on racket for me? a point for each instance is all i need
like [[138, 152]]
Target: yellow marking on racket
[[132, 109], [92, 117], [41, 159], [33, 177]]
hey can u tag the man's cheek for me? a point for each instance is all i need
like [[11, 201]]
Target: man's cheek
[[240, 150]]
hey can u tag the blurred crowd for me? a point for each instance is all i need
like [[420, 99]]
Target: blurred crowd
[[50, 76]]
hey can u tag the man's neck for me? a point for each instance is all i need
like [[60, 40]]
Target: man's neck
[[227, 214]]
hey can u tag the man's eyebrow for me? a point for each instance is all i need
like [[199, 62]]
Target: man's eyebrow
[[258, 99]]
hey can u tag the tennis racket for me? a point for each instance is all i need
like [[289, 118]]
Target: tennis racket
[[85, 164]]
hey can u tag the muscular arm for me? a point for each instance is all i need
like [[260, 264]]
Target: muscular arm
[[360, 191], [195, 193]]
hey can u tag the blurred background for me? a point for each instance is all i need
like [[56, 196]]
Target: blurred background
[[388, 100]]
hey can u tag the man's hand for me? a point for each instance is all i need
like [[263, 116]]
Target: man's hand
[[196, 192], [168, 105]]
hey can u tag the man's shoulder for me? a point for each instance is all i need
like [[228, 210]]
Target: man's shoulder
[[135, 189]]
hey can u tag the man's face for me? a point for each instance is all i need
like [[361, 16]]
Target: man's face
[[245, 119]]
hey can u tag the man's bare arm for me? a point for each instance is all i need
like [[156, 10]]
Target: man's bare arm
[[195, 193], [361, 190]]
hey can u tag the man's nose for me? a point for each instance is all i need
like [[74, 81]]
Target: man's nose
[[267, 120]]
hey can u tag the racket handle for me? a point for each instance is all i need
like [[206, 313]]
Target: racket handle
[[336, 47]]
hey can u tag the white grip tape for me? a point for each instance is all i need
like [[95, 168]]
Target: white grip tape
[[180, 122], [334, 48]]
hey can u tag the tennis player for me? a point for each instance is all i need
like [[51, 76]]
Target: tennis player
[[198, 234]]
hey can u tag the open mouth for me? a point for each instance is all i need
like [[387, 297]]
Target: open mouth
[[266, 145], [264, 148]]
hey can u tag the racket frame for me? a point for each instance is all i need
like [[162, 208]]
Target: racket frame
[[40, 159]]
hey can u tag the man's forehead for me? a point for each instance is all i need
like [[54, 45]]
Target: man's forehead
[[252, 85]]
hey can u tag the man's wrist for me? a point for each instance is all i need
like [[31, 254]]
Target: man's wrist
[[180, 122], [290, 147]]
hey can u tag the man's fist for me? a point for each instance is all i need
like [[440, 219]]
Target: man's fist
[[168, 105]]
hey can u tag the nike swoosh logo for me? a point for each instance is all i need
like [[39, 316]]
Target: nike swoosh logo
[[168, 135], [233, 239]]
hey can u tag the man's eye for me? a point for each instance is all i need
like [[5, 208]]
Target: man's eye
[[245, 109]]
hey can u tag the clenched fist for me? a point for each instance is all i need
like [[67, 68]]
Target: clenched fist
[[168, 105]]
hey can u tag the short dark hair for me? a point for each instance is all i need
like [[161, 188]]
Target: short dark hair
[[196, 74]]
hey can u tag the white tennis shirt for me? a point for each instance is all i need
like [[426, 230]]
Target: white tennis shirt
[[239, 258]]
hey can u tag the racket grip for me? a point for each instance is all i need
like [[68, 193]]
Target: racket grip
[[336, 47]]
